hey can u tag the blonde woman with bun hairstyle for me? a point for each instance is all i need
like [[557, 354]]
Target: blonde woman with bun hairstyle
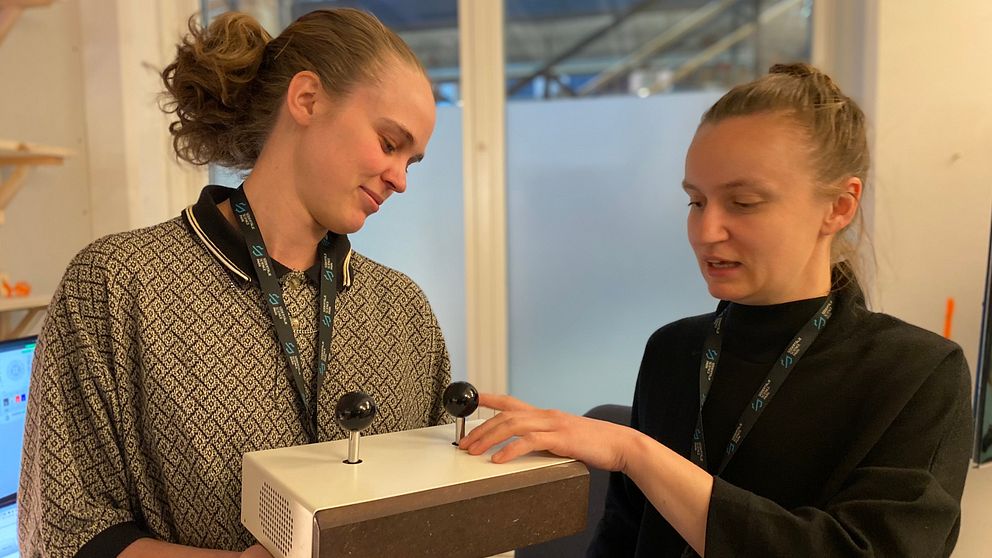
[[792, 421], [170, 351]]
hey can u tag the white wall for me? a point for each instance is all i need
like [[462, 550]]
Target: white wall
[[134, 177], [933, 171], [933, 178], [920, 71], [48, 221], [86, 79]]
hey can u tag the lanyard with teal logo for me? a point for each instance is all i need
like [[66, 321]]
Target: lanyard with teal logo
[[273, 297], [776, 377]]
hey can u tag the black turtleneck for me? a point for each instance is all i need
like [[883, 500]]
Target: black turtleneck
[[754, 337], [863, 451]]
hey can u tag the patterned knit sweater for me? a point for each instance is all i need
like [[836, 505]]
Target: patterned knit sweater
[[157, 369]]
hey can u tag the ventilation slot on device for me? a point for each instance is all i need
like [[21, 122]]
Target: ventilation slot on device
[[276, 518]]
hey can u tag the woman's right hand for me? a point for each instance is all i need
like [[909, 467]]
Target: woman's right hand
[[599, 444], [675, 486]]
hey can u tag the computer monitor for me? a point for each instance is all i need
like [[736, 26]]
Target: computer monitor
[[15, 373]]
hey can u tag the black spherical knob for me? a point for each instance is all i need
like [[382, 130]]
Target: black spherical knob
[[355, 411], [461, 399]]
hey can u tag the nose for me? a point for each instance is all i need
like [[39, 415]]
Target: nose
[[707, 225], [395, 177]]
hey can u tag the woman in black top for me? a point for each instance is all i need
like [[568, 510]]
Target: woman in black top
[[792, 421]]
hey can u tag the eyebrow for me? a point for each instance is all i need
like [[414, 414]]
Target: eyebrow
[[407, 136], [733, 184]]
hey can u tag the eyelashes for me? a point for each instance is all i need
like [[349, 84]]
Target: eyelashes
[[391, 148], [735, 204]]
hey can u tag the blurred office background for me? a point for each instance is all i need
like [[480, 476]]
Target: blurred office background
[[554, 244]]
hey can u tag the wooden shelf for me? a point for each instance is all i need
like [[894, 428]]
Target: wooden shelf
[[33, 306], [22, 156], [22, 153], [16, 303]]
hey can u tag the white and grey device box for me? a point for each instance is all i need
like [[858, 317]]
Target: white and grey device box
[[413, 494]]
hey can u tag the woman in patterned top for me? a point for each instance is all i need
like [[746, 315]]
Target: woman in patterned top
[[170, 351]]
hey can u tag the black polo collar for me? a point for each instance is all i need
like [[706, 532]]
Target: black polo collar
[[227, 245]]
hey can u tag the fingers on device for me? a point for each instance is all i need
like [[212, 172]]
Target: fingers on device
[[410, 493]]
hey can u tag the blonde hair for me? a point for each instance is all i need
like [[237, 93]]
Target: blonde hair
[[835, 127], [228, 80]]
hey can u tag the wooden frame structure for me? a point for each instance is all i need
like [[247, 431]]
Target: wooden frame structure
[[22, 156], [31, 306]]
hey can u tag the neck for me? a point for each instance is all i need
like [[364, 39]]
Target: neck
[[291, 235], [761, 332], [798, 296], [811, 281]]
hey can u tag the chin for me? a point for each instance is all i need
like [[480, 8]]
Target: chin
[[351, 229], [348, 225], [727, 292]]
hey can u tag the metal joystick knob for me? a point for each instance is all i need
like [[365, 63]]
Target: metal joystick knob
[[461, 399], [354, 413]]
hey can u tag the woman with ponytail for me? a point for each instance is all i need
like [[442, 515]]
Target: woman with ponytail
[[169, 352], [792, 421]]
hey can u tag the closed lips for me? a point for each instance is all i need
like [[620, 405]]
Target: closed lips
[[378, 200]]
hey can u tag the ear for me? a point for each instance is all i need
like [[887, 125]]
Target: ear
[[301, 96], [843, 208]]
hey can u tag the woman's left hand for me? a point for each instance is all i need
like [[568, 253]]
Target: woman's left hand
[[597, 443]]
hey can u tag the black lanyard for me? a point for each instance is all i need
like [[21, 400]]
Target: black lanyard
[[273, 296], [776, 376]]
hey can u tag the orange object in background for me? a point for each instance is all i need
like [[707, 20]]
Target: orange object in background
[[948, 318], [20, 288]]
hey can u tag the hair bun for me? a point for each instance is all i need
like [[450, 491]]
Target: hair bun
[[208, 87], [796, 69]]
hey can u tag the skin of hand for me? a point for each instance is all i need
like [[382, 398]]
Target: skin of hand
[[676, 487], [597, 443]]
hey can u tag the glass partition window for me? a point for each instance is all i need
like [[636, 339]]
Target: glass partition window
[[603, 101], [583, 48]]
